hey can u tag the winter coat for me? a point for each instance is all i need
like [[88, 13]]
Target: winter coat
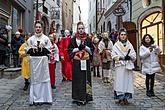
[[150, 60], [15, 44]]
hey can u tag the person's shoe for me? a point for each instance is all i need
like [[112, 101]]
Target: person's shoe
[[63, 79], [152, 93], [98, 75], [94, 74], [126, 102], [26, 86], [78, 103], [148, 93], [53, 87]]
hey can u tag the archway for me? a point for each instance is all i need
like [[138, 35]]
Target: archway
[[131, 31], [152, 24], [109, 26], [45, 25]]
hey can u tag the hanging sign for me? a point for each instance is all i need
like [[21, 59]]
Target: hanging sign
[[119, 11]]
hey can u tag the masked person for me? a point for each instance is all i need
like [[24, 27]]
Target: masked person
[[80, 50], [105, 48], [39, 46], [63, 52], [124, 56]]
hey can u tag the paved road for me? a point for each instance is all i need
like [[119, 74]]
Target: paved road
[[12, 97]]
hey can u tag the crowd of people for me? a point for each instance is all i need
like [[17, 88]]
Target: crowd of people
[[80, 55]]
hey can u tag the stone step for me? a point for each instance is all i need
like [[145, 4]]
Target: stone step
[[1, 73], [11, 73]]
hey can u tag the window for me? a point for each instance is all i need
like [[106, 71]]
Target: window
[[66, 8], [58, 2], [152, 25]]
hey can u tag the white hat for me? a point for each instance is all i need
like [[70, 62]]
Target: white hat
[[95, 40], [17, 33], [104, 35], [67, 33]]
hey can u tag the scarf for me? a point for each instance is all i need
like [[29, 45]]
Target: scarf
[[38, 34], [146, 44], [81, 36]]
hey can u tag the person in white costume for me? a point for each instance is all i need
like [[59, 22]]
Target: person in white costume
[[39, 46], [124, 56], [105, 48], [150, 62]]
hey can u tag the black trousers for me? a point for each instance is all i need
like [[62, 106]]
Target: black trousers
[[150, 78]]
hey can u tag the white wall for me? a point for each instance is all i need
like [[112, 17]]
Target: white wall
[[76, 15], [92, 16]]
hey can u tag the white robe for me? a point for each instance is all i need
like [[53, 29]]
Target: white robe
[[101, 47], [40, 88], [123, 74], [150, 60]]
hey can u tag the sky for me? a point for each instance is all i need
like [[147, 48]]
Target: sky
[[84, 12]]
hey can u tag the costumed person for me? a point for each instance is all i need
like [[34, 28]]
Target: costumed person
[[96, 58], [80, 50], [25, 63], [53, 58], [150, 62], [105, 48], [113, 36], [39, 46], [124, 57], [66, 65], [16, 42]]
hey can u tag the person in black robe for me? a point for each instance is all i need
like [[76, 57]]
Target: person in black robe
[[80, 50]]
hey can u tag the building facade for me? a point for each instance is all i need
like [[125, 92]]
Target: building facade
[[67, 14], [92, 16], [76, 14], [139, 17], [48, 11], [17, 14]]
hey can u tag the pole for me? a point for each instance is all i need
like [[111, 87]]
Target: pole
[[130, 10], [36, 10], [96, 16], [163, 14]]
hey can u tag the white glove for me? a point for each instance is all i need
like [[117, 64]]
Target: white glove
[[75, 50]]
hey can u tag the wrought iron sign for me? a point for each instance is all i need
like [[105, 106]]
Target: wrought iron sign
[[119, 11]]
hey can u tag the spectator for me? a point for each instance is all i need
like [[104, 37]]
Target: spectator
[[16, 42]]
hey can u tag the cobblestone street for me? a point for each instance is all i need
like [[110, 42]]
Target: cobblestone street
[[12, 97]]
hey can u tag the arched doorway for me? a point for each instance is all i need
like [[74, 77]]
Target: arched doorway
[[109, 26], [152, 24], [45, 25], [104, 27], [131, 31]]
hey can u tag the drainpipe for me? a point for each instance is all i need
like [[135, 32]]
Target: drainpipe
[[163, 14], [96, 16], [36, 10], [130, 10]]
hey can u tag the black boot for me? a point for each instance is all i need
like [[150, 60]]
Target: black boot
[[152, 85], [98, 73], [26, 85], [94, 71], [148, 93], [147, 85], [152, 93]]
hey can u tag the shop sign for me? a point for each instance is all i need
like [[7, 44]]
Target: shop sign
[[119, 11]]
